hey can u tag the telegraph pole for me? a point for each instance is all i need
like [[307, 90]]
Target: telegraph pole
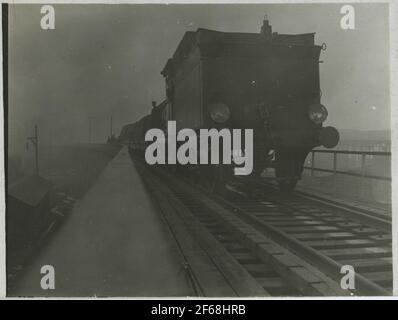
[[35, 141], [89, 128], [111, 126], [37, 150]]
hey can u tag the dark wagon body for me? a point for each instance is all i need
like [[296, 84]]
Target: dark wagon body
[[265, 81], [241, 70], [134, 133]]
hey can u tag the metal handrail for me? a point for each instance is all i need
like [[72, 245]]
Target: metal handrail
[[368, 153], [363, 155]]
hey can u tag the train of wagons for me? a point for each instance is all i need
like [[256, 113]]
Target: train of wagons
[[264, 81]]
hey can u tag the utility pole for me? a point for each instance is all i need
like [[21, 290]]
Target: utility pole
[[89, 128], [35, 141], [111, 126]]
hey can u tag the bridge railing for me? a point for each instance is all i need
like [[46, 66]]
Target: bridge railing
[[363, 156]]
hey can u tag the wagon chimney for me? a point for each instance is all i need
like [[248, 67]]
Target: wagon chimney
[[266, 29]]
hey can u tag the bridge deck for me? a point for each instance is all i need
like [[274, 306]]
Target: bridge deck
[[112, 243]]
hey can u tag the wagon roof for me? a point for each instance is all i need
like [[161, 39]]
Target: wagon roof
[[192, 39], [126, 129]]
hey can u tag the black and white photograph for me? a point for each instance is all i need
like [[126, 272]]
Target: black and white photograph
[[213, 150]]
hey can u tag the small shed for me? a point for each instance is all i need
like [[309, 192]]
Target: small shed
[[28, 210]]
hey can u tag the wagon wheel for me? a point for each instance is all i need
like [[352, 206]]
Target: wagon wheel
[[287, 184], [288, 169]]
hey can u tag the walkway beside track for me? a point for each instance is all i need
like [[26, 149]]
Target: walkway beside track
[[113, 243]]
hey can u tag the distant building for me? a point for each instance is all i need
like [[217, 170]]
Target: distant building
[[28, 210]]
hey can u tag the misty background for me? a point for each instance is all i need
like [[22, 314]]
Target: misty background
[[105, 60]]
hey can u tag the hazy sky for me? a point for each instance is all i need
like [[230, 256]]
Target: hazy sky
[[104, 60]]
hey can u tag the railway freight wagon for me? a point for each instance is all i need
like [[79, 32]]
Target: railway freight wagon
[[265, 81], [134, 134]]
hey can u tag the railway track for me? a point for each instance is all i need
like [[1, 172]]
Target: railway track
[[327, 234], [270, 245]]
